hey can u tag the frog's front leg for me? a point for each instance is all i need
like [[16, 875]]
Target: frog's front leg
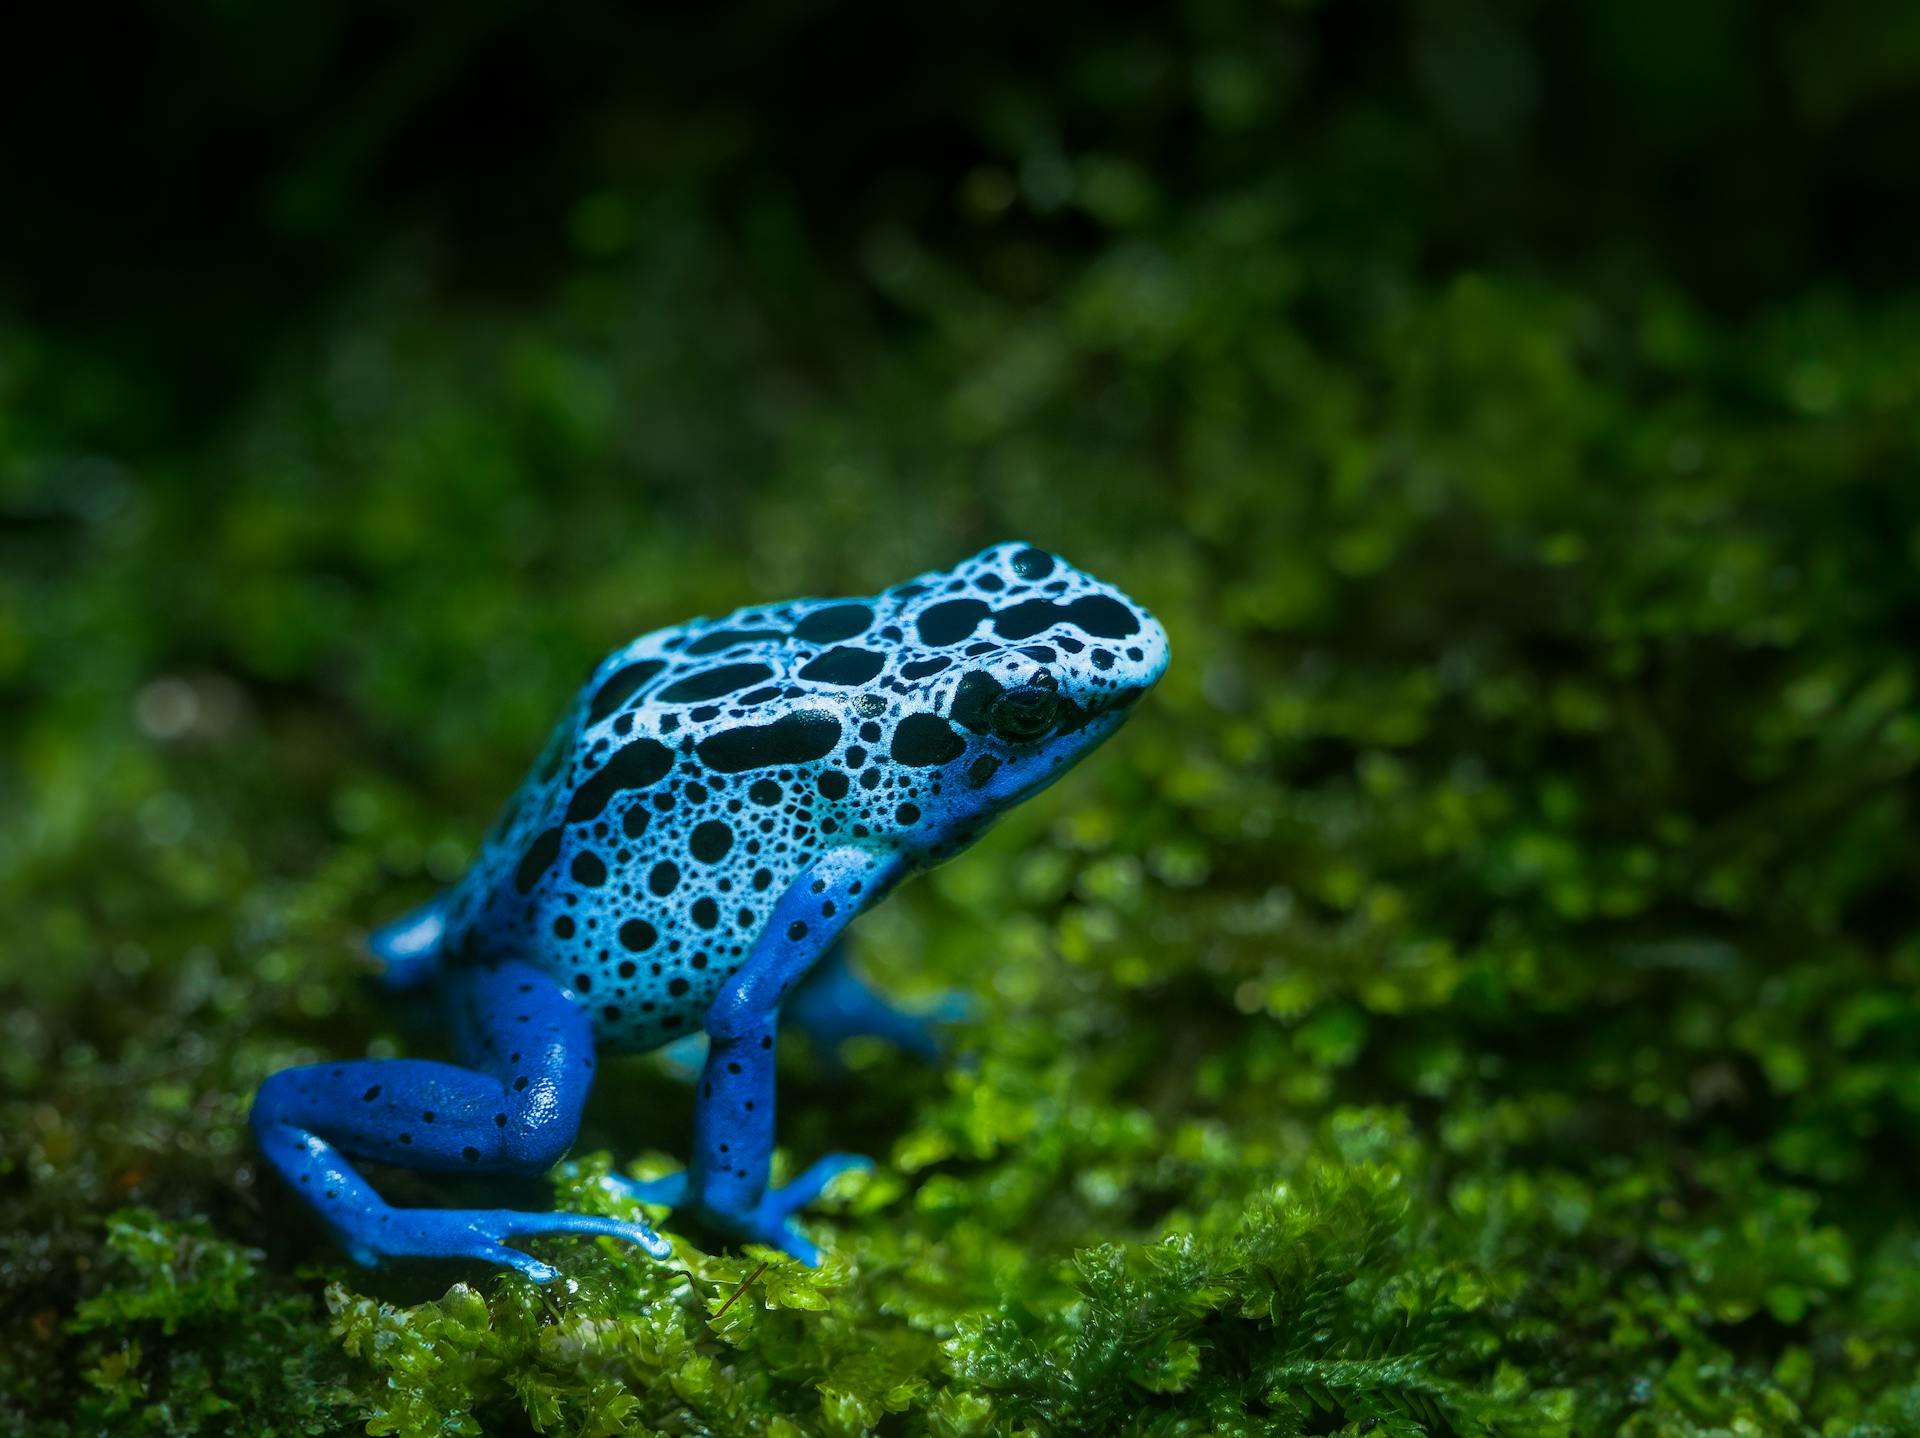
[[515, 1111], [726, 1184]]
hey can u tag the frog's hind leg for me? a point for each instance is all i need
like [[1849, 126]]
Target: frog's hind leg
[[516, 1111], [833, 1004]]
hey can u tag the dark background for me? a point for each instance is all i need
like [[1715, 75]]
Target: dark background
[[1476, 993], [188, 184]]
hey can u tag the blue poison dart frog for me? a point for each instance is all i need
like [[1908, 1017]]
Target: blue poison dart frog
[[721, 800]]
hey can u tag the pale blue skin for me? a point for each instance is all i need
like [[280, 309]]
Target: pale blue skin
[[719, 802]]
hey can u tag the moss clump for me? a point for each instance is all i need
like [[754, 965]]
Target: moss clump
[[1478, 993]]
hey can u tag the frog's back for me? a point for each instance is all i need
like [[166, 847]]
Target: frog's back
[[704, 767], [672, 806]]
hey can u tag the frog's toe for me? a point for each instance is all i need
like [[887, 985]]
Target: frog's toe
[[792, 1242], [525, 1225], [482, 1233], [771, 1222], [920, 1033], [811, 1184], [954, 1006], [669, 1191]]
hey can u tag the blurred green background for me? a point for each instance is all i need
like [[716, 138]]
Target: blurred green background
[[1477, 993]]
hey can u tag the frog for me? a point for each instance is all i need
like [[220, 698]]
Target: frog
[[718, 803]]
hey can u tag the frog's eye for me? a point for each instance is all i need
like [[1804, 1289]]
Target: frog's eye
[[1024, 713]]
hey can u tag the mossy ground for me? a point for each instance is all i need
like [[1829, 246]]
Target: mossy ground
[[1480, 991]]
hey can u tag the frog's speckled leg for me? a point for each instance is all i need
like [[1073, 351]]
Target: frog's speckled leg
[[726, 1184], [519, 1116], [833, 1004]]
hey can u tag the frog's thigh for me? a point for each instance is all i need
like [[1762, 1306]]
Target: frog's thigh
[[520, 1115], [733, 1122]]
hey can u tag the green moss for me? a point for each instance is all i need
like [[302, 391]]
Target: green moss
[[1476, 994]]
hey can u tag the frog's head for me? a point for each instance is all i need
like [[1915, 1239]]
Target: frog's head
[[1028, 665]]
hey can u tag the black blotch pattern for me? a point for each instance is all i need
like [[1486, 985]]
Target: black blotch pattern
[[923, 740], [793, 739], [619, 686], [1102, 617], [949, 623], [712, 683], [726, 638], [640, 763], [687, 845], [844, 665], [1033, 564], [710, 842], [537, 860], [1093, 614], [841, 621], [973, 701]]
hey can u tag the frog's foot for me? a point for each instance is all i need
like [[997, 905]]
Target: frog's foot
[[769, 1220], [833, 1004], [917, 1033], [480, 1233]]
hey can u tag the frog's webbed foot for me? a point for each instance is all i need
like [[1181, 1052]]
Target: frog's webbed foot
[[833, 1004], [768, 1220], [833, 1009], [480, 1233]]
